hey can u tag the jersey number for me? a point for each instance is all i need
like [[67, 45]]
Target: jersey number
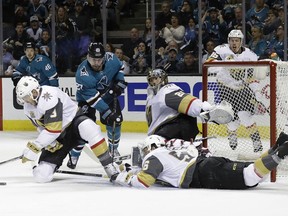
[[181, 155]]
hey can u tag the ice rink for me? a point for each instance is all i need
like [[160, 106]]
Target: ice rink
[[72, 195]]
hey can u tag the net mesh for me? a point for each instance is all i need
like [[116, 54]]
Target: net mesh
[[249, 134]]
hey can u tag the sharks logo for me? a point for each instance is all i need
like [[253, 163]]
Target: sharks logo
[[103, 83], [109, 56], [84, 72]]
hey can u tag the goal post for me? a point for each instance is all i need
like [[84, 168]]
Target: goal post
[[231, 80]]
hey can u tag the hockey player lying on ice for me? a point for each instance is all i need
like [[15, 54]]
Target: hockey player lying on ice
[[180, 167]]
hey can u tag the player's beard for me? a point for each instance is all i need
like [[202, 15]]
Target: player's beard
[[97, 68]]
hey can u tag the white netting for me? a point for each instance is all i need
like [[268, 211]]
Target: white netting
[[241, 139]]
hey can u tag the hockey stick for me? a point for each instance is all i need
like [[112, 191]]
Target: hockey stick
[[114, 125], [10, 160], [82, 173]]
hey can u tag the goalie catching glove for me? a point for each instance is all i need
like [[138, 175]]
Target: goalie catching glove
[[219, 114]]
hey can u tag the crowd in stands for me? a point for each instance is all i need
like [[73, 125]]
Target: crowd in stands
[[78, 22]]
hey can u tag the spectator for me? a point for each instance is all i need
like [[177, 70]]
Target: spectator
[[65, 30], [35, 8], [17, 40], [258, 13], [169, 64], [164, 17], [257, 44], [20, 16], [44, 46], [271, 24], [186, 12], [124, 59], [237, 21], [34, 31], [189, 64], [130, 44], [7, 58], [276, 45], [215, 25], [190, 37], [84, 28], [174, 31], [109, 47], [147, 33], [141, 60], [209, 48]]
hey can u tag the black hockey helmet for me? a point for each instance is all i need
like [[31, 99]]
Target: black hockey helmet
[[96, 50], [29, 44]]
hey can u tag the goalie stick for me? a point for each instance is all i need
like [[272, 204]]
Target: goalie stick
[[82, 173]]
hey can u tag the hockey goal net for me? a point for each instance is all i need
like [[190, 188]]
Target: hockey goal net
[[241, 139]]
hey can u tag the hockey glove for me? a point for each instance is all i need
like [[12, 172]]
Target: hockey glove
[[111, 117], [15, 79], [124, 178], [119, 87], [53, 147], [30, 153]]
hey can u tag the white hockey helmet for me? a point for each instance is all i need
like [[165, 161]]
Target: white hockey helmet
[[157, 73], [25, 87], [151, 142], [235, 33]]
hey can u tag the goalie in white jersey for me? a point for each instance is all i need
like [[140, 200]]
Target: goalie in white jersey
[[239, 87], [186, 169], [171, 113], [61, 126]]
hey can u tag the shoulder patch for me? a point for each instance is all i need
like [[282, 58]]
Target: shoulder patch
[[83, 71]]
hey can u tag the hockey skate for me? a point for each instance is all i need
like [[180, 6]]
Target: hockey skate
[[233, 141], [282, 150], [72, 161], [111, 169], [283, 137]]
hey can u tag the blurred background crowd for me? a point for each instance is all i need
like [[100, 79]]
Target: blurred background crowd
[[126, 28]]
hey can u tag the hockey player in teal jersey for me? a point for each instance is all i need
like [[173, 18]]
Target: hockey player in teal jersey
[[36, 65], [99, 79]]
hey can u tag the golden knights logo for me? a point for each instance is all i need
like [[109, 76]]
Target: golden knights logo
[[47, 96]]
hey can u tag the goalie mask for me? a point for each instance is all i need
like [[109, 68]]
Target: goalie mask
[[95, 57], [156, 79], [27, 90], [150, 143], [235, 39]]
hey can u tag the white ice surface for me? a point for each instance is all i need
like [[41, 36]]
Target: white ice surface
[[71, 195]]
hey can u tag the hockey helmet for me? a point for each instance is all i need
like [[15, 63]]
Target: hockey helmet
[[235, 33], [96, 50], [157, 73], [24, 89], [29, 44], [151, 142]]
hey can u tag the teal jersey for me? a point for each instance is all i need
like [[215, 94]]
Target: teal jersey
[[92, 85]]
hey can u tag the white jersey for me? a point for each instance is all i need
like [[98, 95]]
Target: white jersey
[[167, 104], [54, 111], [175, 168], [232, 78]]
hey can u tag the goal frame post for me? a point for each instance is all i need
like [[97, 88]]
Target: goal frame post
[[272, 74]]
